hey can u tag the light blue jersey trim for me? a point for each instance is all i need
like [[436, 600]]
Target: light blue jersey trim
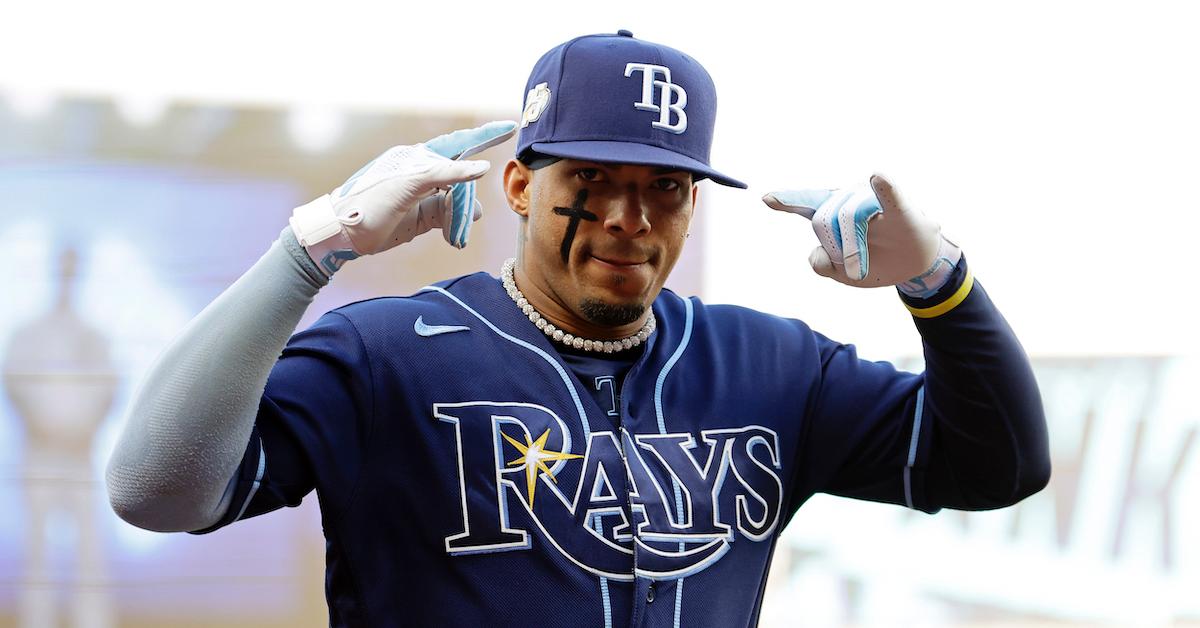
[[258, 476], [599, 525], [912, 447], [662, 376], [662, 428], [678, 599]]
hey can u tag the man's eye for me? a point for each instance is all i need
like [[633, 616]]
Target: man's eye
[[666, 184], [590, 174]]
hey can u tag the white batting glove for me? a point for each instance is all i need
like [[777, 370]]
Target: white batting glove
[[399, 195], [871, 238]]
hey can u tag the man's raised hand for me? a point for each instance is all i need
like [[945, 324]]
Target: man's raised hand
[[399, 195], [871, 238]]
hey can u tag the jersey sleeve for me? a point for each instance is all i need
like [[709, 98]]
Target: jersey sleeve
[[968, 433], [312, 425]]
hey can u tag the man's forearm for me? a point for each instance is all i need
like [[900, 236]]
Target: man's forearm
[[988, 421], [191, 419]]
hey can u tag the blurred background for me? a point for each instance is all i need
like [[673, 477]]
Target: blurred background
[[149, 154]]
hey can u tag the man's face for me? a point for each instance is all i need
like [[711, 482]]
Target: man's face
[[600, 239]]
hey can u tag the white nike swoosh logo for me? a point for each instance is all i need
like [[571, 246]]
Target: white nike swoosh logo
[[432, 330]]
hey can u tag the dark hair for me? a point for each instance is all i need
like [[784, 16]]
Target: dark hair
[[536, 160]]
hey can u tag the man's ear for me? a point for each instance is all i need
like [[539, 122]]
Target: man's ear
[[517, 177], [695, 197]]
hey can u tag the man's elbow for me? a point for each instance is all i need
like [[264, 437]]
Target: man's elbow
[[139, 505], [1033, 455], [1029, 474], [144, 515], [1033, 476]]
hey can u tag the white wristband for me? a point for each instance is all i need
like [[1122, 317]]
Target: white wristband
[[315, 221], [319, 231]]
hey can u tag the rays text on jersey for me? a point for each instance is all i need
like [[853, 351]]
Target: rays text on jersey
[[676, 500]]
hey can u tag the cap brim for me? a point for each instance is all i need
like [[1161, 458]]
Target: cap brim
[[632, 153]]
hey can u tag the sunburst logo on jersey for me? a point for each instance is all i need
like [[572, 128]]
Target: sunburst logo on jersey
[[533, 457]]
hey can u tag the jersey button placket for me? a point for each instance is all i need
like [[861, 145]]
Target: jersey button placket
[[642, 601], [628, 421]]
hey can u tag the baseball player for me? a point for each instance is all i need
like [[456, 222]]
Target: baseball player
[[568, 443]]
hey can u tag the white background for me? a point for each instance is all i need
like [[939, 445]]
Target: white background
[[1055, 141]]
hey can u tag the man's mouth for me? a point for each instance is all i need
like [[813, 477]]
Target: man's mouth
[[618, 262]]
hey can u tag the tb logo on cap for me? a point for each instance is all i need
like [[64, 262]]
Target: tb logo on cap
[[672, 96]]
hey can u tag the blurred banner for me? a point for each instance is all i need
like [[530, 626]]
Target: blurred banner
[[1110, 541]]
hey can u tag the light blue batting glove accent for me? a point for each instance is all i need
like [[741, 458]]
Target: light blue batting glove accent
[[803, 202], [349, 184], [467, 142], [463, 211], [840, 220], [461, 145], [853, 215]]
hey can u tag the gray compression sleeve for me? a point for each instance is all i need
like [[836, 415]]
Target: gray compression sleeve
[[190, 423]]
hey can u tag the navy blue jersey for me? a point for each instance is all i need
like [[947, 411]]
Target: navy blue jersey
[[473, 477], [601, 375]]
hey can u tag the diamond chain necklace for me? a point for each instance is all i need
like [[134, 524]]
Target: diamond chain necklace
[[558, 335]]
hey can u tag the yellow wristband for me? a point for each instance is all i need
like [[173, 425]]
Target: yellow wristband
[[947, 305]]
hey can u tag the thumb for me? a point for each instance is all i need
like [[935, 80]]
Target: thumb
[[820, 262], [887, 195], [803, 202], [460, 211]]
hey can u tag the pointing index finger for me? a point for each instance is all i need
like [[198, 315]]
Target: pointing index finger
[[803, 202], [466, 142]]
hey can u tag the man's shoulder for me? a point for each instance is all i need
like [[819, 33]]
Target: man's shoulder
[[434, 299], [730, 318], [734, 342]]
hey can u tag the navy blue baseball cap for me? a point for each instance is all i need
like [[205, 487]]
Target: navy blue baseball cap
[[616, 99]]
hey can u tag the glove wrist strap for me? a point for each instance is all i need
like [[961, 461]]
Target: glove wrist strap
[[929, 282], [319, 231]]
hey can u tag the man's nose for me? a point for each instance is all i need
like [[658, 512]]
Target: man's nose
[[626, 215]]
